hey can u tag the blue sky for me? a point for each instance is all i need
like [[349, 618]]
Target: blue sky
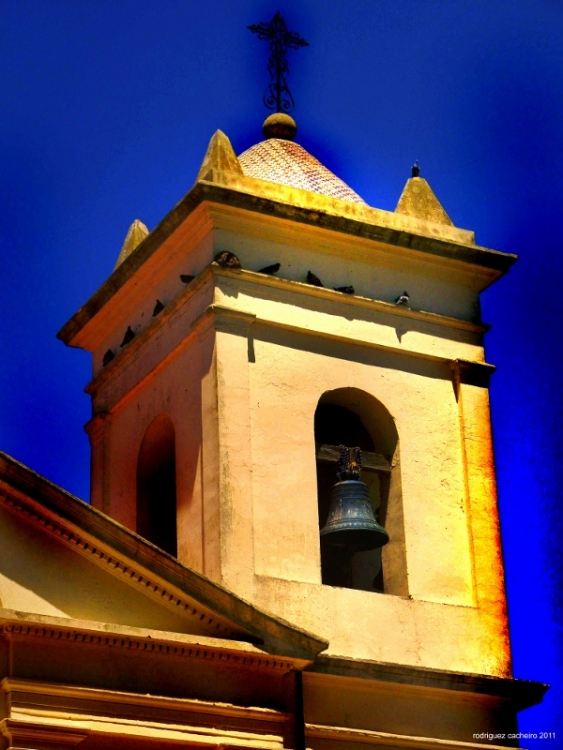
[[107, 109]]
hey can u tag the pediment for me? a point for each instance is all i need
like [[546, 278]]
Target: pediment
[[64, 559]]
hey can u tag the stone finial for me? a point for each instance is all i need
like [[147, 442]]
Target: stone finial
[[418, 200], [220, 156], [280, 125], [136, 234]]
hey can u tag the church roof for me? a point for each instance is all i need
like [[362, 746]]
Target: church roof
[[207, 608], [287, 163]]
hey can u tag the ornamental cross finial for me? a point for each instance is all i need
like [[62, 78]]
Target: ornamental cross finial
[[278, 96]]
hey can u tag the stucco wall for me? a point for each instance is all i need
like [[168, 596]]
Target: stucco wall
[[241, 383], [40, 575]]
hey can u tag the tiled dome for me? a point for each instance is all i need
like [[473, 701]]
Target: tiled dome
[[286, 162]]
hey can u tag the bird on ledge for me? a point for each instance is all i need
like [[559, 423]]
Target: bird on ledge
[[227, 260], [314, 280], [270, 270]]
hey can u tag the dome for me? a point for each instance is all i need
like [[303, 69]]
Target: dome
[[286, 162]]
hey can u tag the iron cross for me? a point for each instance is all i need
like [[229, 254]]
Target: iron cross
[[278, 96]]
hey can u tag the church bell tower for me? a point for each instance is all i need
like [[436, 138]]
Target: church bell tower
[[268, 327], [222, 391]]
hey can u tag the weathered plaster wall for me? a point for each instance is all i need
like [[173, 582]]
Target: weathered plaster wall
[[241, 384], [336, 267], [176, 392], [287, 382], [443, 623]]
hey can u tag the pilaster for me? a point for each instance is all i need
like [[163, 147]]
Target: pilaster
[[233, 351], [97, 430], [471, 384], [210, 463], [225, 349]]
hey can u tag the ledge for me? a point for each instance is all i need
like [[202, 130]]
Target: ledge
[[213, 272], [30, 625], [344, 736], [368, 224], [521, 693]]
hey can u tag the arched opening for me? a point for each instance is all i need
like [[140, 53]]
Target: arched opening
[[156, 485], [350, 417]]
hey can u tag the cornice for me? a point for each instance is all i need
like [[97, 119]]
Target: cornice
[[124, 698], [42, 714], [240, 320], [193, 231], [362, 224], [346, 736], [355, 220], [119, 566], [344, 301], [158, 324], [522, 693], [235, 653]]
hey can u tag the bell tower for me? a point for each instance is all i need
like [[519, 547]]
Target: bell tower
[[290, 395], [270, 318]]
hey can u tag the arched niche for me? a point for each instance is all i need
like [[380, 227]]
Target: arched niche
[[352, 417], [156, 485]]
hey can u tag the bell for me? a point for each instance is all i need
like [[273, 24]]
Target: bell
[[351, 522]]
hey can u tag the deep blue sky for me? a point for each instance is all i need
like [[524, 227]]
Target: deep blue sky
[[107, 109]]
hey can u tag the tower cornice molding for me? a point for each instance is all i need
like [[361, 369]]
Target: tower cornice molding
[[285, 214], [222, 316]]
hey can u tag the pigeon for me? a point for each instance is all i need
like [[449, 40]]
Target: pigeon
[[227, 260], [270, 270], [314, 280], [403, 299], [129, 336], [415, 169], [186, 278], [345, 289], [158, 308], [108, 356]]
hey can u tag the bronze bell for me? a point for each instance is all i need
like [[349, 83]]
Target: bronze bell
[[351, 522]]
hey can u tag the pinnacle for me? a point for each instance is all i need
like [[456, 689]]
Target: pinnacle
[[220, 156], [136, 234], [418, 200]]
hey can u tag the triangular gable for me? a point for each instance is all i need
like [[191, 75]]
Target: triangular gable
[[68, 558]]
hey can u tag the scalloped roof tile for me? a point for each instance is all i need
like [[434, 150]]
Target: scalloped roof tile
[[288, 163]]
